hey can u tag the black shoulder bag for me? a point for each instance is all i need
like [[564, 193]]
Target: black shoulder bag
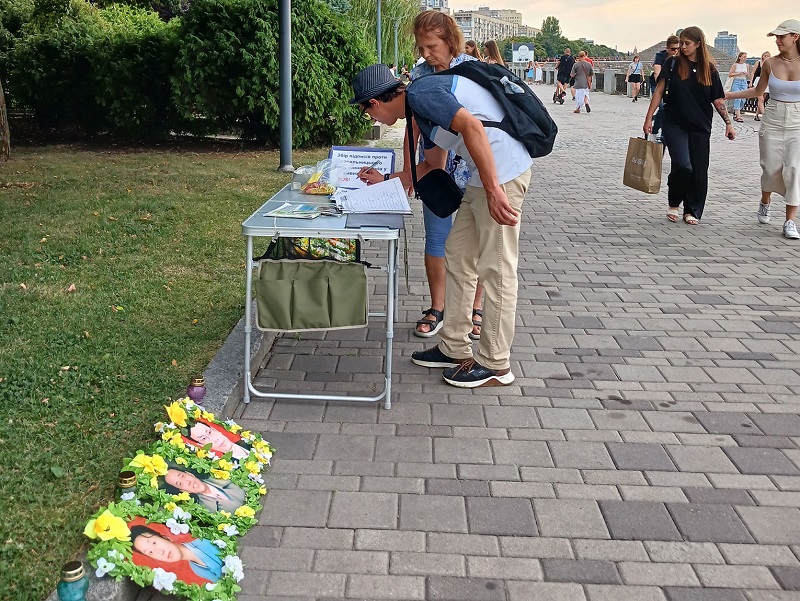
[[436, 189]]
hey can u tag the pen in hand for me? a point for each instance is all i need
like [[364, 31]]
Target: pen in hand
[[365, 170]]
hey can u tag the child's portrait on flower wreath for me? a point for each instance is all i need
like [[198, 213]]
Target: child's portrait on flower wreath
[[201, 432], [192, 560], [214, 494]]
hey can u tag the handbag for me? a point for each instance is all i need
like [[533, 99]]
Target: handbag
[[436, 189], [643, 165], [728, 86]]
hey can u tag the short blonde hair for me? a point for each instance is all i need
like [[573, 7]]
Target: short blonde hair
[[444, 26], [582, 54]]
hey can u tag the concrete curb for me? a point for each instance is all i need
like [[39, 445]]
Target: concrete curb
[[225, 385]]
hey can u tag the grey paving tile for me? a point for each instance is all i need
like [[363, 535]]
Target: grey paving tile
[[522, 453], [345, 447], [759, 555], [703, 594], [460, 488], [772, 525], [461, 450], [614, 592], [500, 516], [787, 576], [761, 461], [777, 425], [683, 552], [464, 544], [723, 496], [634, 456], [673, 421], [407, 449], [306, 584], [385, 587], [363, 510], [427, 564], [458, 589], [727, 423], [701, 459], [705, 522], [432, 513], [458, 415], [293, 445], [639, 520], [552, 591], [771, 442], [349, 562], [582, 570], [295, 508], [511, 417], [573, 518], [507, 568], [736, 577], [581, 455], [572, 419]]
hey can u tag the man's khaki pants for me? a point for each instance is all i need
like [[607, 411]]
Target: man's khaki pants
[[479, 249]]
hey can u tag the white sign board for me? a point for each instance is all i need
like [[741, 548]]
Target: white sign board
[[348, 161], [521, 53]]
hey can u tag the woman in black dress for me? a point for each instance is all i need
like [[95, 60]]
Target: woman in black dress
[[691, 88], [754, 82]]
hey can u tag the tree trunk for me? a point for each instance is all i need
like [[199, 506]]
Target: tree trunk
[[5, 135]]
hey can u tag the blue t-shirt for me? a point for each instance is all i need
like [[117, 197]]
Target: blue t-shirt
[[435, 101]]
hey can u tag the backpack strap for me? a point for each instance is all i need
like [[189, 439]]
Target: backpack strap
[[412, 149]]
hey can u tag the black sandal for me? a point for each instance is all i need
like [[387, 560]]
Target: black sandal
[[434, 324], [479, 313]]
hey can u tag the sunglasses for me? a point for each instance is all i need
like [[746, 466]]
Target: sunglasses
[[674, 48], [364, 114]]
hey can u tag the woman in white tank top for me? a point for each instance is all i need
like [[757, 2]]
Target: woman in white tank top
[[779, 136]]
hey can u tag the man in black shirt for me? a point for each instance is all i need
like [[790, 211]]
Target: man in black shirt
[[564, 69], [672, 47]]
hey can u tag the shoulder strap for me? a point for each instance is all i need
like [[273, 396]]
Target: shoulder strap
[[412, 148], [669, 75]]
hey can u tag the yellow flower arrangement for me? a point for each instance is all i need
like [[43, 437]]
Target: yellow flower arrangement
[[221, 474], [107, 526], [150, 464], [244, 512], [176, 413], [224, 465]]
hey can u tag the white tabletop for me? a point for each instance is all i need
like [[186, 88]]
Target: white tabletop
[[319, 227]]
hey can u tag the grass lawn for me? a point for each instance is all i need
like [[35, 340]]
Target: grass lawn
[[122, 273]]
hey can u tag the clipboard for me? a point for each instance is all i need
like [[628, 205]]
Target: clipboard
[[349, 160]]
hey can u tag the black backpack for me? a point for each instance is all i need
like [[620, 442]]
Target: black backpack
[[526, 120]]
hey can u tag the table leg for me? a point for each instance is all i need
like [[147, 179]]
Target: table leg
[[391, 294], [248, 318]]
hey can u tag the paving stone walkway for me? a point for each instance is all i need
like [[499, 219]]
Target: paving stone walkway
[[649, 448]]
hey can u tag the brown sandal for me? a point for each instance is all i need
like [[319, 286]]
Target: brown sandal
[[476, 324]]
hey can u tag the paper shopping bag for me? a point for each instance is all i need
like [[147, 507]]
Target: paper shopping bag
[[643, 165]]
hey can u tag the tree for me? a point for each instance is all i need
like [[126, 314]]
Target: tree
[[550, 37], [363, 14], [5, 135], [551, 28]]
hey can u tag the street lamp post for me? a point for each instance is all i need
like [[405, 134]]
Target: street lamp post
[[378, 31], [285, 81], [396, 58]]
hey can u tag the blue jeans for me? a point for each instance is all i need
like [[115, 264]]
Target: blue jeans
[[688, 180], [436, 231], [739, 83]]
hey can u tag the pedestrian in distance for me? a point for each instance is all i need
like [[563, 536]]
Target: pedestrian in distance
[[779, 136], [582, 73], [739, 74], [691, 87], [539, 72], [472, 49], [754, 78], [635, 76], [530, 73], [563, 70], [492, 52], [484, 242]]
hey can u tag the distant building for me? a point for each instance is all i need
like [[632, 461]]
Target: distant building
[[485, 24], [440, 5], [727, 43], [529, 31]]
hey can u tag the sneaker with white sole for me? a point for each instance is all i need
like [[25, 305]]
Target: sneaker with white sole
[[433, 357], [763, 212], [790, 231], [471, 374]]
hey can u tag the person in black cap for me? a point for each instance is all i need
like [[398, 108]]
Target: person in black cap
[[484, 241]]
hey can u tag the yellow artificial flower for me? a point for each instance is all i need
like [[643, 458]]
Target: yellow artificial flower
[[252, 467], [208, 416], [224, 513], [184, 496], [170, 506], [221, 474], [224, 465], [235, 428], [153, 465], [107, 526], [262, 490], [197, 413], [169, 435], [158, 426], [247, 434], [245, 512], [202, 453], [177, 414], [181, 460], [221, 527]]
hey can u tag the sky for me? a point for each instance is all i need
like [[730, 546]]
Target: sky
[[629, 23]]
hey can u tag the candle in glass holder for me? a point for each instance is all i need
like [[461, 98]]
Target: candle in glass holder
[[126, 485], [74, 583], [197, 390]]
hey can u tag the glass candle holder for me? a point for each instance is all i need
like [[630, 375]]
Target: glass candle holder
[[74, 583], [197, 390], [126, 485]]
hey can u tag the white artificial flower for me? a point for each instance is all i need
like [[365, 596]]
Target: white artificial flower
[[230, 422], [231, 530], [160, 427], [220, 543], [127, 496], [176, 527], [181, 515], [104, 567], [233, 566], [163, 580], [114, 554], [212, 455], [256, 477]]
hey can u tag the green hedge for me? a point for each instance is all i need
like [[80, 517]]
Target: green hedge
[[122, 70]]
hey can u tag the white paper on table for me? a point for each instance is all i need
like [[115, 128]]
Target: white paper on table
[[385, 197], [348, 161]]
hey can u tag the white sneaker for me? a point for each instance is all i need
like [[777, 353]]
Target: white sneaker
[[763, 212], [790, 231]]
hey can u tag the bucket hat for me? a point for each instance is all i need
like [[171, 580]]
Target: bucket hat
[[371, 82], [788, 26]]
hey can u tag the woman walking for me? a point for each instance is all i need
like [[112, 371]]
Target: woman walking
[[754, 78], [539, 72], [530, 73], [472, 50], [739, 74], [779, 136], [691, 88], [634, 77]]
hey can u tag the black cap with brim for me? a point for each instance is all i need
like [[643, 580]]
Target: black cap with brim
[[372, 82]]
